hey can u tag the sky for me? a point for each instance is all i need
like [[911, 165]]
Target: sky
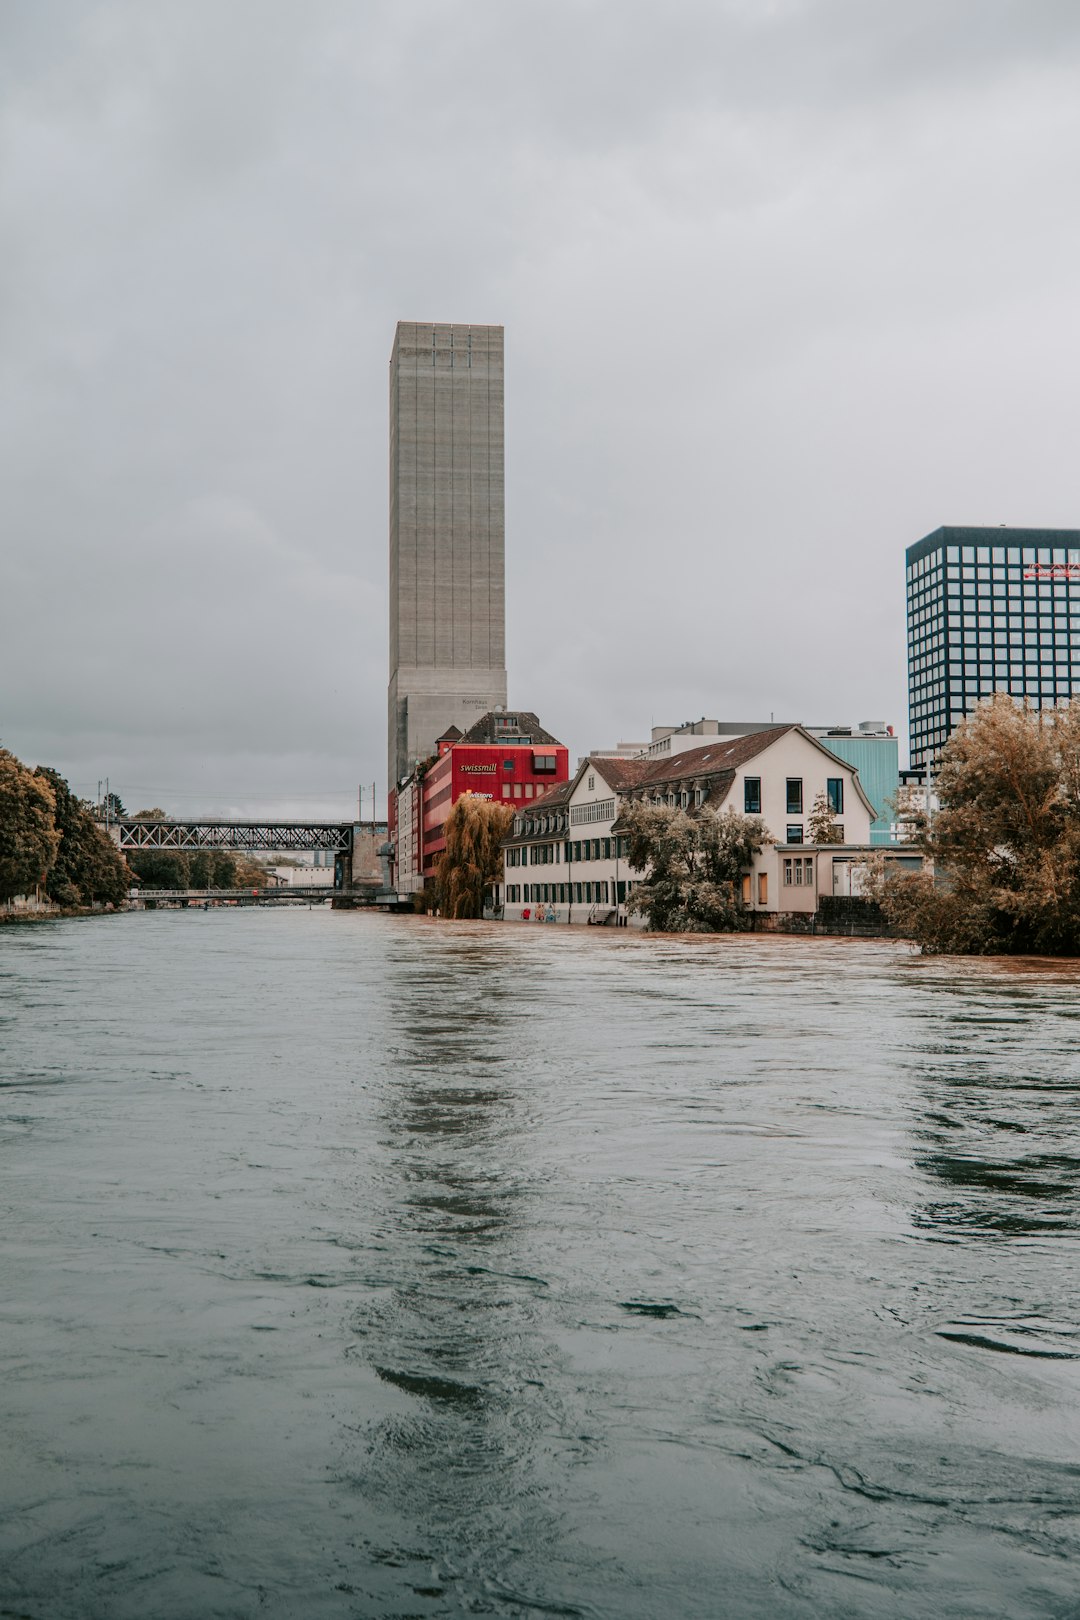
[[786, 285]]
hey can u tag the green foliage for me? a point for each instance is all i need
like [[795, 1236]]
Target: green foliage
[[191, 869], [29, 838], [88, 869], [821, 823], [194, 869], [472, 861], [1005, 843], [693, 866]]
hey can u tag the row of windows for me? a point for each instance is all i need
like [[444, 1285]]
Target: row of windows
[[563, 894], [581, 849], [600, 810], [794, 834], [799, 869], [1013, 556]]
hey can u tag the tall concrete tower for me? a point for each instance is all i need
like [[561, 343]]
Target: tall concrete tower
[[447, 587]]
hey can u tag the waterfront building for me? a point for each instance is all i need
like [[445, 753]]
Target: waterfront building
[[989, 610], [447, 589], [504, 756], [565, 860]]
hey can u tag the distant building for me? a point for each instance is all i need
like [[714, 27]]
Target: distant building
[[989, 610], [447, 591], [667, 740], [875, 752], [504, 756]]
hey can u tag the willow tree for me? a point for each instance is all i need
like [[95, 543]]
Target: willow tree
[[472, 860]]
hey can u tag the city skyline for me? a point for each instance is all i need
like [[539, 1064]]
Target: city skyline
[[807, 299]]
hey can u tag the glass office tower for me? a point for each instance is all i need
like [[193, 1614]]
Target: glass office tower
[[989, 610]]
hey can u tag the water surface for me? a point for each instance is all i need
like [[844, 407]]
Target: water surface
[[356, 1266]]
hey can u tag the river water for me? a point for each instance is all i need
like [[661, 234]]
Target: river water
[[356, 1266]]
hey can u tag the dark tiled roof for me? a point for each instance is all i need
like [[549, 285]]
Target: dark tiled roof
[[451, 734], [547, 801], [618, 773], [493, 728]]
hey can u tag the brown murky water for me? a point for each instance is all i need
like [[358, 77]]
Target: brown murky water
[[369, 1267]]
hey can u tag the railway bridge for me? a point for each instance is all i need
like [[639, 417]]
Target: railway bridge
[[361, 874]]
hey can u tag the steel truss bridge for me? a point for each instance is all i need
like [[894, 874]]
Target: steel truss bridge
[[264, 836]]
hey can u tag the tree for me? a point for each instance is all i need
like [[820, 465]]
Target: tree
[[88, 868], [693, 866], [29, 838], [472, 860], [111, 808], [1005, 842], [822, 824]]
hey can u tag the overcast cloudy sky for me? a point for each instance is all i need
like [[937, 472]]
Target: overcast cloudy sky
[[786, 284]]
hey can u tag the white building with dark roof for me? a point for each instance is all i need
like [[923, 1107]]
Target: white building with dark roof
[[565, 860]]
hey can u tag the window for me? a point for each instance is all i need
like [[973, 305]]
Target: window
[[763, 889], [592, 784], [835, 790], [838, 828], [508, 764], [752, 795], [794, 834], [544, 764], [746, 888], [794, 797]]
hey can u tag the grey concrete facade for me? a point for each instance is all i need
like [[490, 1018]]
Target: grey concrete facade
[[447, 535]]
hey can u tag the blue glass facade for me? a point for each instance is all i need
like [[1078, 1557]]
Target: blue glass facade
[[989, 610]]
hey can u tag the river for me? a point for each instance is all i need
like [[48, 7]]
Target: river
[[359, 1266]]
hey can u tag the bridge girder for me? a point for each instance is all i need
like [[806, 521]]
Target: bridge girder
[[262, 836]]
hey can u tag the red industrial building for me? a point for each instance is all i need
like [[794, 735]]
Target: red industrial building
[[503, 756]]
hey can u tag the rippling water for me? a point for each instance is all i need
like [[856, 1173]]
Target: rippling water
[[367, 1267]]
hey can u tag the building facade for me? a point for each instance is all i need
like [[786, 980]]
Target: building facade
[[989, 610], [505, 756], [874, 751], [447, 535], [566, 861]]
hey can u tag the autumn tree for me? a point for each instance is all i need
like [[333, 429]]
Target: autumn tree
[[1005, 842], [822, 824], [472, 861], [693, 866], [29, 838], [88, 868]]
